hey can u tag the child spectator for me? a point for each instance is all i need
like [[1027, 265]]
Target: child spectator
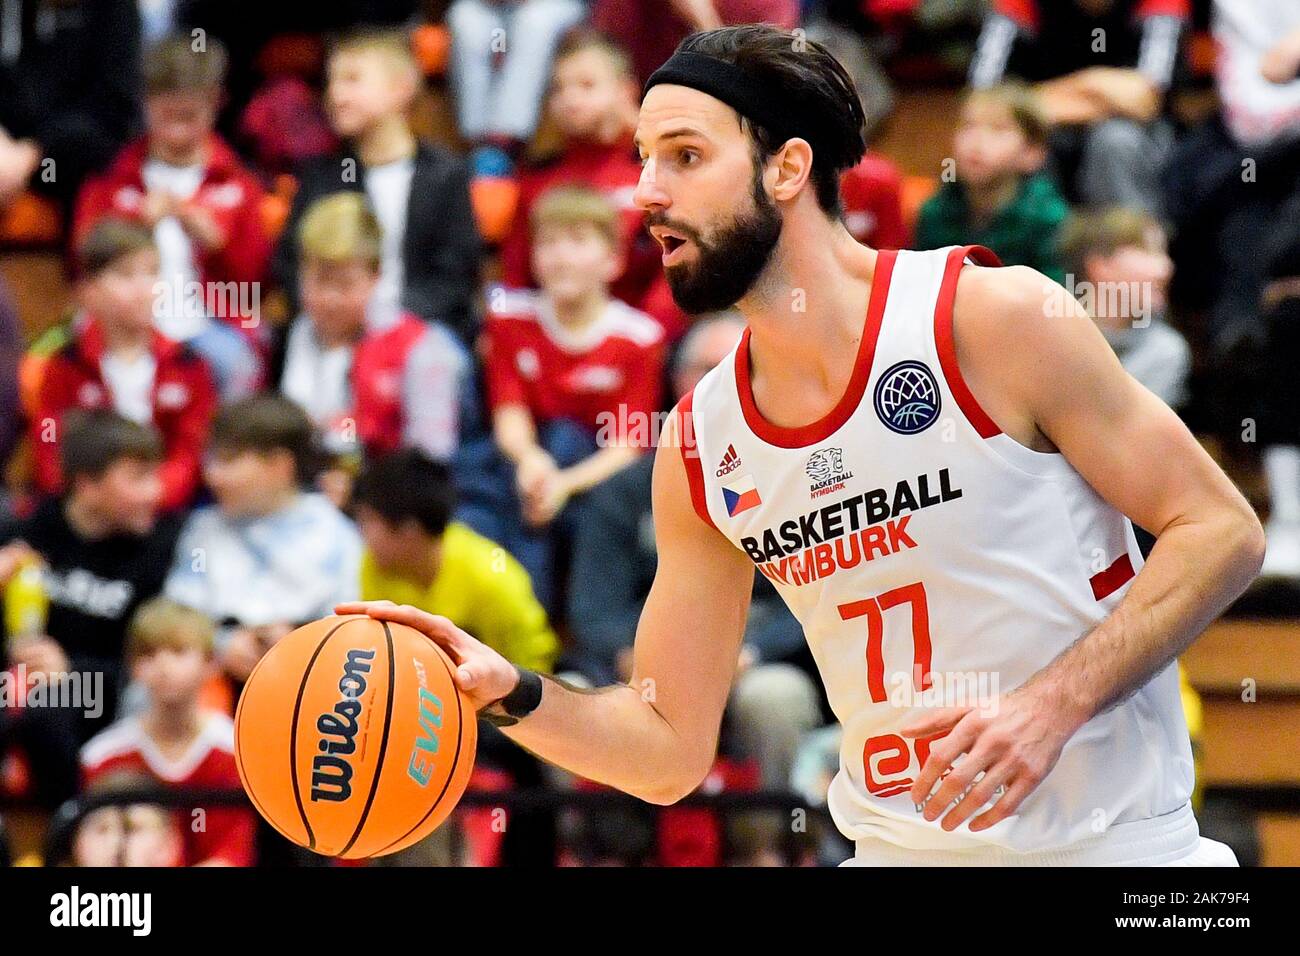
[[103, 551], [563, 367], [419, 192], [370, 382], [1103, 99], [592, 105], [116, 359], [773, 702], [117, 834], [415, 554], [175, 740], [999, 198], [183, 181], [1119, 270], [499, 84], [268, 556]]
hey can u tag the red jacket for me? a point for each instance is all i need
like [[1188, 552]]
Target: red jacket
[[613, 170], [872, 192], [407, 383], [229, 193], [183, 402]]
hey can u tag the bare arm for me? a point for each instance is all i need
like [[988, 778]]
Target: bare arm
[[1099, 93], [594, 469], [1054, 382], [515, 432], [656, 736]]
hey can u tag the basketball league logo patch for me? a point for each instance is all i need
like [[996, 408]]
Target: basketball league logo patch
[[907, 397]]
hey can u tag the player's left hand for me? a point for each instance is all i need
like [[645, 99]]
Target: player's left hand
[[1014, 744]]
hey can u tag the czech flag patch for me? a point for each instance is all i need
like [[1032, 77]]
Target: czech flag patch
[[740, 495]]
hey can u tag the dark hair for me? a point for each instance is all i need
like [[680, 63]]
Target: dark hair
[[109, 240], [408, 485], [267, 423], [94, 440], [173, 64], [830, 117]]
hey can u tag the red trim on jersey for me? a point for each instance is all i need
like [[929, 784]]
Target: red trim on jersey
[[691, 458], [944, 342], [1105, 583], [1024, 12], [1167, 8], [818, 431]]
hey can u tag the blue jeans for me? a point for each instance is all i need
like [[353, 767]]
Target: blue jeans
[[489, 503]]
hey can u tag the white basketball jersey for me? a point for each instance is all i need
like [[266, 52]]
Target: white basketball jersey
[[933, 560]]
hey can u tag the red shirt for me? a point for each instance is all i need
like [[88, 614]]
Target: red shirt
[[614, 171], [183, 400], [607, 372], [228, 192], [872, 192], [209, 763]]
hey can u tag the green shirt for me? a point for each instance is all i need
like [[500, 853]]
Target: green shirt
[[1024, 232]]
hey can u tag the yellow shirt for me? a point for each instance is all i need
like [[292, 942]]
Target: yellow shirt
[[483, 589]]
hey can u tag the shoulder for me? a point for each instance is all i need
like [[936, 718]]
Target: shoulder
[[633, 325], [204, 519], [320, 173], [316, 506], [1168, 341], [439, 161], [460, 541], [219, 732], [1042, 200], [508, 305], [1012, 314], [120, 738], [472, 557], [1026, 347]]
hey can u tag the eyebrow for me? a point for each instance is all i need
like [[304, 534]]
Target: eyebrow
[[678, 133]]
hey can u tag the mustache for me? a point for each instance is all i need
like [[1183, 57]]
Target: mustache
[[661, 219]]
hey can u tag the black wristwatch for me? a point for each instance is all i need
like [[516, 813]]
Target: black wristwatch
[[519, 703]]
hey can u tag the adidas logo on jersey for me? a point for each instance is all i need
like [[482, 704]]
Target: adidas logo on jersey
[[730, 462]]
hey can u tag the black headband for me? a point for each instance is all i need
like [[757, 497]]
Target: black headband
[[727, 82]]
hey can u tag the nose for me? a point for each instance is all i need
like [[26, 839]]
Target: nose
[[649, 196]]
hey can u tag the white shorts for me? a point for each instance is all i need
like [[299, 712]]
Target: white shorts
[[1170, 840]]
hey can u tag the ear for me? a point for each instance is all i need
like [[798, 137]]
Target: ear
[[793, 169]]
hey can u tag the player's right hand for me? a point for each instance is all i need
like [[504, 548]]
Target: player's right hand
[[483, 675]]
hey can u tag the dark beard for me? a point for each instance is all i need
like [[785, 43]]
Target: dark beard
[[729, 265]]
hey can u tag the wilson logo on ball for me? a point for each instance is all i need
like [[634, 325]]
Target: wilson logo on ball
[[331, 773]]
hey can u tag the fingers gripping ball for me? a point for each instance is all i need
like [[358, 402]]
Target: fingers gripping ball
[[352, 739]]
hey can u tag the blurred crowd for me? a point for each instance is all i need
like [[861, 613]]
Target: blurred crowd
[[362, 307]]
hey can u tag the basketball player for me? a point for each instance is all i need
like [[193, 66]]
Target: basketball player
[[935, 461]]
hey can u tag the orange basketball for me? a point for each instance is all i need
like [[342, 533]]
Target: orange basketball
[[352, 739]]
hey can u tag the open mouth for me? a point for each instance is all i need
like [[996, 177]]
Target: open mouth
[[672, 243]]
